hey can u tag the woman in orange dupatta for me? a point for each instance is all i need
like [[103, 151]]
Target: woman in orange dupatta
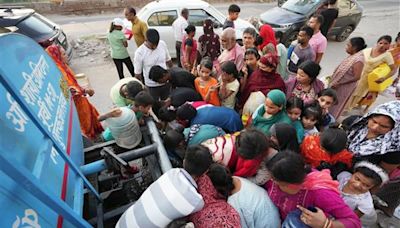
[[87, 113]]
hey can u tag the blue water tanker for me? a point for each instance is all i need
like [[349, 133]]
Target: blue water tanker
[[47, 178]]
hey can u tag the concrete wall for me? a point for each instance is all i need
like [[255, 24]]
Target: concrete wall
[[95, 6]]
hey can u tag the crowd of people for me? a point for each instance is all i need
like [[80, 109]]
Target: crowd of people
[[252, 132]]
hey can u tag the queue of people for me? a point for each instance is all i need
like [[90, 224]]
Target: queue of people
[[251, 131]]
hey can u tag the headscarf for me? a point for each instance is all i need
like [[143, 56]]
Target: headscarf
[[268, 36], [264, 124], [87, 113], [287, 137], [278, 98], [209, 41], [270, 60], [216, 211], [387, 143]]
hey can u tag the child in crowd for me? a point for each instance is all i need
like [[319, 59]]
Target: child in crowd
[[310, 117], [355, 189], [250, 201], [142, 107], [233, 15], [118, 44], [176, 184], [143, 104], [251, 57], [282, 55], [284, 137], [294, 107], [207, 85], [326, 98], [242, 152], [229, 85], [327, 151]]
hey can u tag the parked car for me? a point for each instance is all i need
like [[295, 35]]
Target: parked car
[[293, 14], [162, 13], [30, 23]]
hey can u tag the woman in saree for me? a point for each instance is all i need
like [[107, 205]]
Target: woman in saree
[[87, 113], [347, 74]]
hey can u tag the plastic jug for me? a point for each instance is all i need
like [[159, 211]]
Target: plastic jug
[[83, 80], [380, 72], [125, 129]]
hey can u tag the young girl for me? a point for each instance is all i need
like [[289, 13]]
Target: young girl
[[118, 44], [327, 151], [294, 107], [189, 48], [310, 117], [355, 189], [284, 137], [326, 98], [229, 85], [206, 85]]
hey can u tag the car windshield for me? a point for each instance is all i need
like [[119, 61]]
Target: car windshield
[[36, 28], [300, 6]]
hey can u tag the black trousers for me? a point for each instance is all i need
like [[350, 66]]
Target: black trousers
[[178, 45], [120, 68]]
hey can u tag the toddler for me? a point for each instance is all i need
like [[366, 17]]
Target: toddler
[[310, 117], [294, 107], [355, 189]]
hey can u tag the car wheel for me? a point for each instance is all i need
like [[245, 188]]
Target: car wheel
[[342, 36], [290, 38]]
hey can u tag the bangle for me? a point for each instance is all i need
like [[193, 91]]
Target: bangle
[[326, 223], [330, 223]]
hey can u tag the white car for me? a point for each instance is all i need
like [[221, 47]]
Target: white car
[[162, 13]]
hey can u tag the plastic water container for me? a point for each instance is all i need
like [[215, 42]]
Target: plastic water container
[[83, 80], [380, 72], [125, 129]]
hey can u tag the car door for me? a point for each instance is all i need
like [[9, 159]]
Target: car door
[[162, 22], [344, 7]]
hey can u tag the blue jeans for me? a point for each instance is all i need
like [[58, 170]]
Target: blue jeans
[[293, 220]]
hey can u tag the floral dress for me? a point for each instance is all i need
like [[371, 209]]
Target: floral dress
[[307, 97]]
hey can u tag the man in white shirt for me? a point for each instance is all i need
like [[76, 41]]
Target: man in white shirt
[[318, 41], [152, 52], [179, 27]]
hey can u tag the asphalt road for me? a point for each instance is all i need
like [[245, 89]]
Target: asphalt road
[[380, 18]]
